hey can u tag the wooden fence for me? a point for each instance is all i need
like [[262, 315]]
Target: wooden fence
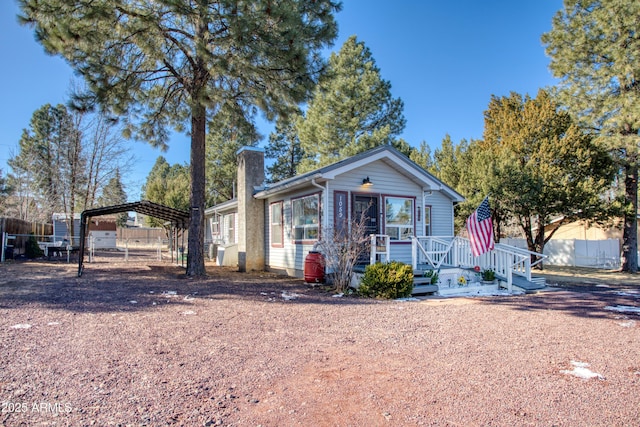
[[141, 235], [22, 229]]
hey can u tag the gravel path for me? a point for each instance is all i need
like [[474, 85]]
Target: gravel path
[[134, 344]]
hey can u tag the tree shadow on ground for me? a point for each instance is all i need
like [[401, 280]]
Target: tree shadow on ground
[[586, 302], [129, 287], [580, 291]]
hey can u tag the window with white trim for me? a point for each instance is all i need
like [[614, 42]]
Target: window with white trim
[[215, 228], [399, 222], [276, 224], [306, 217]]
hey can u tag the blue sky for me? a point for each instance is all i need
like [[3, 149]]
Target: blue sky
[[443, 59]]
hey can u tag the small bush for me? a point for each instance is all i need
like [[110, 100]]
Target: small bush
[[387, 280], [32, 250], [433, 275], [488, 275]]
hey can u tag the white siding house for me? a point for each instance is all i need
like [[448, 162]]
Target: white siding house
[[221, 232], [61, 231], [400, 199]]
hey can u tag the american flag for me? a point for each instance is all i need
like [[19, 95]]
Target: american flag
[[480, 228]]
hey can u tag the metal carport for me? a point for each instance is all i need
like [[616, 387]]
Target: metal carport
[[179, 219]]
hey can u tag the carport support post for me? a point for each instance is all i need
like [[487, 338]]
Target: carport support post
[[182, 249], [250, 210], [84, 219], [4, 243], [174, 244]]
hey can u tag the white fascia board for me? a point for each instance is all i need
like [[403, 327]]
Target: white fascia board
[[228, 206], [292, 185]]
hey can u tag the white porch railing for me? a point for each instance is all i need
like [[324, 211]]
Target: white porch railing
[[505, 260], [380, 248]]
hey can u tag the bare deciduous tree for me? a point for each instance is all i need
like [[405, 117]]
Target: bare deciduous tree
[[106, 155], [64, 161], [343, 247]]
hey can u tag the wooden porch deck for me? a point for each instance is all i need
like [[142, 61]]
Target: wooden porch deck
[[452, 257], [422, 284]]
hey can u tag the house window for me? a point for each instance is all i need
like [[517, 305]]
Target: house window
[[215, 228], [399, 218], [276, 224], [230, 228], [427, 220], [306, 217]]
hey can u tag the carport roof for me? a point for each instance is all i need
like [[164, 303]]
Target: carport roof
[[178, 218]]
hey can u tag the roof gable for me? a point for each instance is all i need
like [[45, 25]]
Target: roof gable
[[386, 153]]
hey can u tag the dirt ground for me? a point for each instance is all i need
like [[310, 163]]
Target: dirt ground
[[140, 344]]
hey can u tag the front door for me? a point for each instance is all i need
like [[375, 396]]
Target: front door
[[365, 206]]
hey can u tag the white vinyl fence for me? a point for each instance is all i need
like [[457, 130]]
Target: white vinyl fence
[[578, 253]]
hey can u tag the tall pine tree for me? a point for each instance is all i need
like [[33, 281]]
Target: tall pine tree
[[50, 162], [167, 185], [594, 47], [167, 63], [285, 149], [113, 194], [5, 190], [352, 109], [228, 132], [41, 155]]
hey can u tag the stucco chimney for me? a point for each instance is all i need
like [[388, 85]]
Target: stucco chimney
[[250, 210]]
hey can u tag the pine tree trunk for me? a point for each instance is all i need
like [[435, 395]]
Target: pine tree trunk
[[630, 233], [195, 260]]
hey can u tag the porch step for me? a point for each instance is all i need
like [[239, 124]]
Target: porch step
[[420, 280], [422, 284], [541, 280], [536, 283], [424, 289]]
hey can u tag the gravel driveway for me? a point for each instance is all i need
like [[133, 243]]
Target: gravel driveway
[[141, 344]]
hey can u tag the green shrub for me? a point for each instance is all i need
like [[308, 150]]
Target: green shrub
[[488, 275], [387, 280], [433, 275], [32, 250]]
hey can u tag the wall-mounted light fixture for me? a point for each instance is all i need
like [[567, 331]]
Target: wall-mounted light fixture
[[367, 182]]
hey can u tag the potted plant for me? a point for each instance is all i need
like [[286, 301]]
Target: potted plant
[[433, 275], [488, 276]]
